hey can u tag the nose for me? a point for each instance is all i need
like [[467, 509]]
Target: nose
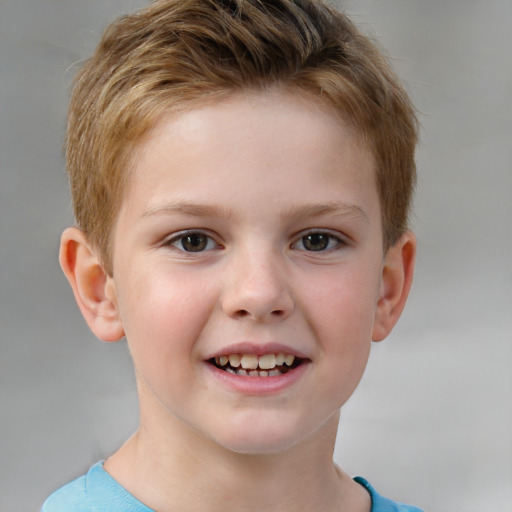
[[257, 288]]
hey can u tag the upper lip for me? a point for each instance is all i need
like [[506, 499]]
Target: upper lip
[[258, 349]]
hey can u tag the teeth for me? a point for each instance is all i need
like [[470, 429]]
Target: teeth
[[267, 362], [254, 373], [289, 359], [234, 360], [263, 366], [280, 359], [249, 362]]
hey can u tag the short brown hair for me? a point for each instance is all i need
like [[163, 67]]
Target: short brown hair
[[177, 53]]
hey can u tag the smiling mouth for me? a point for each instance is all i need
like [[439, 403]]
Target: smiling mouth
[[251, 365]]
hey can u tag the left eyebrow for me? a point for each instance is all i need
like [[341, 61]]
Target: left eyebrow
[[332, 208]]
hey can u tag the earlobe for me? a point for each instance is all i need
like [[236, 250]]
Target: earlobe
[[93, 288], [397, 274]]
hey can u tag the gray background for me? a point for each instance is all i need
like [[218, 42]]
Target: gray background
[[432, 421]]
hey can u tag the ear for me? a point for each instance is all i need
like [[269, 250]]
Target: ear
[[397, 274], [94, 289]]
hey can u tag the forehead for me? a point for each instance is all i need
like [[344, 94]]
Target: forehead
[[224, 147]]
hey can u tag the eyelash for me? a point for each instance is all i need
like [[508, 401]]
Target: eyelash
[[193, 238], [332, 241], [204, 242]]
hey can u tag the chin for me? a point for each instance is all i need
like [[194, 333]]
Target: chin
[[260, 438], [258, 446]]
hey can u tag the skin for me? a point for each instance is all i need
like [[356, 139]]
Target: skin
[[255, 179]]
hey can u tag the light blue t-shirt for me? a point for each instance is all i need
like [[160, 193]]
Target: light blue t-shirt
[[97, 491]]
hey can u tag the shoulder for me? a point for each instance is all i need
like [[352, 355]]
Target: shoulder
[[96, 491], [381, 504], [70, 498]]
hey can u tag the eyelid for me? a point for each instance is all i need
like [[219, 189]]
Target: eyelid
[[174, 238], [339, 237]]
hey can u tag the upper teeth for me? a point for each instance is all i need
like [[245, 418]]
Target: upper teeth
[[253, 362]]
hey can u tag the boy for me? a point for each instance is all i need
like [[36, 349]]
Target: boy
[[241, 172]]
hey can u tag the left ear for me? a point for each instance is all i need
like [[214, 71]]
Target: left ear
[[397, 273]]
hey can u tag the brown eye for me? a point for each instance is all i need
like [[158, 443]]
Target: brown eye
[[316, 241], [193, 242]]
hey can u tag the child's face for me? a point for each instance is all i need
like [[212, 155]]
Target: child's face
[[252, 227]]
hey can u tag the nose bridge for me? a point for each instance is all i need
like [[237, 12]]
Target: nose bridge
[[257, 286]]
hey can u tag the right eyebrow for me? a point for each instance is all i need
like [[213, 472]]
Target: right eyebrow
[[186, 208]]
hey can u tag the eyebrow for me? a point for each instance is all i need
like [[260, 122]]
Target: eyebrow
[[331, 208], [308, 210], [186, 208]]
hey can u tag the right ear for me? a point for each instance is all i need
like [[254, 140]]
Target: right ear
[[94, 289]]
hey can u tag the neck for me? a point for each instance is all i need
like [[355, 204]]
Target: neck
[[169, 467]]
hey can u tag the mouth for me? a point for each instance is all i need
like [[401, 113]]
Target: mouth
[[251, 365]]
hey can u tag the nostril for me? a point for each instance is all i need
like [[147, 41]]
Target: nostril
[[276, 313]]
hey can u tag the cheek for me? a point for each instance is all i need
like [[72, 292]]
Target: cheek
[[342, 304], [162, 318], [342, 317], [343, 328]]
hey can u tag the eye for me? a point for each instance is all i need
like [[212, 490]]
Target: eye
[[317, 241], [193, 241]]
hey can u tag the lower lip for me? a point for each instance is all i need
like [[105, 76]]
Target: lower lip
[[259, 385]]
